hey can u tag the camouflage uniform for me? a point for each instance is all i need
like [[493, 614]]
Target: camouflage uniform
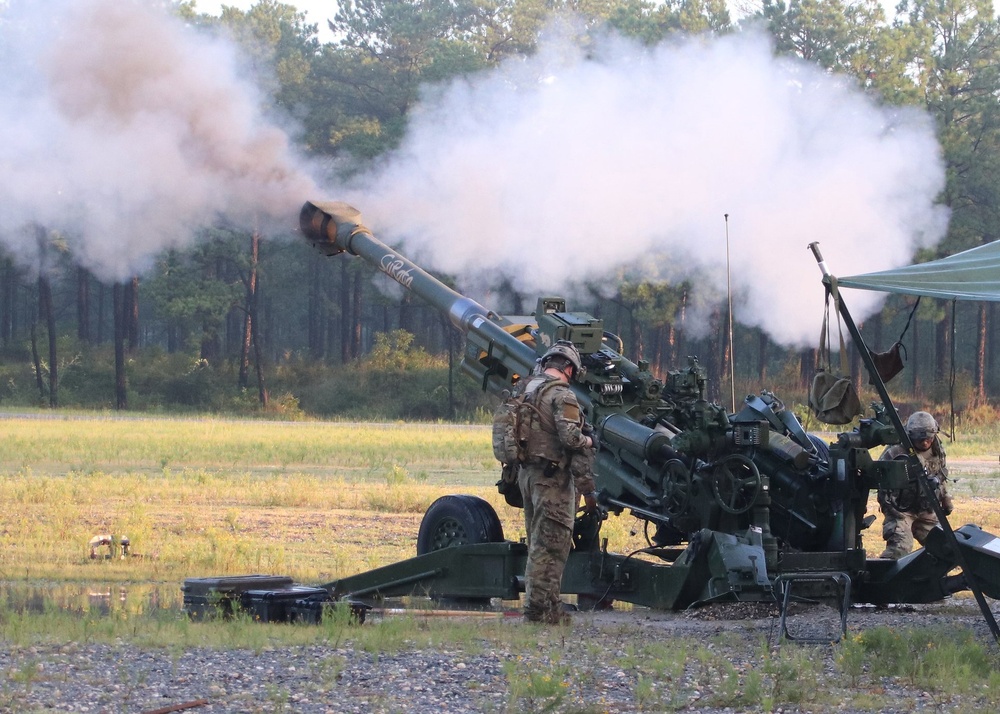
[[557, 468], [907, 513]]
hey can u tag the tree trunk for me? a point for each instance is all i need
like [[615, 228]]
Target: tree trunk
[[132, 318], [680, 350], [942, 345], [265, 321], [36, 360], [253, 321], [345, 313], [314, 315], [449, 336], [262, 394], [807, 367], [981, 339], [330, 330], [991, 346], [255, 331], [83, 304], [762, 357], [100, 313], [119, 309], [248, 320], [671, 348], [656, 356], [915, 383], [406, 320], [8, 293], [243, 378], [46, 313], [857, 370], [713, 366], [638, 338], [356, 317]]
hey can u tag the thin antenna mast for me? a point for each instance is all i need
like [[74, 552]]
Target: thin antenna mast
[[732, 347]]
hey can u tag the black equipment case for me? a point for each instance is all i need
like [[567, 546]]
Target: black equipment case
[[206, 598], [284, 604]]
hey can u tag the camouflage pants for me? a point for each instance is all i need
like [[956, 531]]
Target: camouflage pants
[[899, 529], [549, 505]]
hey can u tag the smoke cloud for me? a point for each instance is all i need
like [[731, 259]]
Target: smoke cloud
[[575, 163], [126, 131]]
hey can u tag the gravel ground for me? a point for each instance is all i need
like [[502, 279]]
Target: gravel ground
[[594, 662]]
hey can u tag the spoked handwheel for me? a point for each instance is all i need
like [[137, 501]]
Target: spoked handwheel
[[676, 488], [736, 483]]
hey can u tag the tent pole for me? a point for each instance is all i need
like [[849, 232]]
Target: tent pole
[[922, 479], [951, 384]]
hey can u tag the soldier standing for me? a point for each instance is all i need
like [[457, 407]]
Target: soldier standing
[[907, 513], [549, 484]]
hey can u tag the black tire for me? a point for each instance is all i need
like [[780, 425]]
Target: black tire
[[822, 448], [458, 520]]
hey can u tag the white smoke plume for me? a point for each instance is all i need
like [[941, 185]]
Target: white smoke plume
[[564, 166], [126, 131]]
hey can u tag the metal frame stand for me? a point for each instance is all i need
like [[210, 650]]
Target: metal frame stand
[[842, 581]]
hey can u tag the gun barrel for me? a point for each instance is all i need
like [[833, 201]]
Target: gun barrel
[[335, 227]]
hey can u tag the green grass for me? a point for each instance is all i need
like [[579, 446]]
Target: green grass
[[199, 497], [111, 445], [313, 500], [317, 501]]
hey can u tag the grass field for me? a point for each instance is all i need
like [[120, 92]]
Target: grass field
[[318, 501], [199, 497], [315, 501]]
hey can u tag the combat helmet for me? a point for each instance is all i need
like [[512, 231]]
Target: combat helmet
[[921, 425], [567, 351]]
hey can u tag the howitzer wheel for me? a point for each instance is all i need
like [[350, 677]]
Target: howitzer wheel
[[676, 488], [736, 483], [458, 520]]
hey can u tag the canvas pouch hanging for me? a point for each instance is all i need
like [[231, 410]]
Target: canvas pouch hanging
[[833, 398], [889, 363]]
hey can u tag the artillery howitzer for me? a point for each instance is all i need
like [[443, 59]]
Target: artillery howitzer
[[738, 506]]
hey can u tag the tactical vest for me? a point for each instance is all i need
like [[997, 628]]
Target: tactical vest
[[911, 499], [542, 435]]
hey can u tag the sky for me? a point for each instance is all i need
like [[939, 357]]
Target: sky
[[317, 11]]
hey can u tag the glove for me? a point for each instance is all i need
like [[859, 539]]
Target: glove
[[946, 505]]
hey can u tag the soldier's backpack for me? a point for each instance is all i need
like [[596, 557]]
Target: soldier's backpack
[[512, 425], [511, 431]]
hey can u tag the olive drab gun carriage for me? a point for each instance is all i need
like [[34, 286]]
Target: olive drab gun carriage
[[744, 506]]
